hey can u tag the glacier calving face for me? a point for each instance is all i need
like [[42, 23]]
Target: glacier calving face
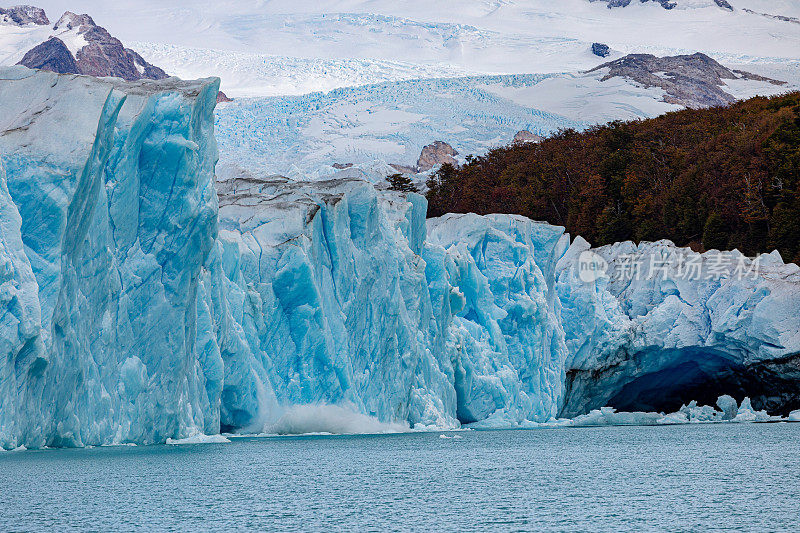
[[334, 292], [686, 326], [329, 292], [319, 295], [142, 304], [114, 185]]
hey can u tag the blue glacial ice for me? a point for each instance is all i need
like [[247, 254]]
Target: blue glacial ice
[[144, 304], [114, 186]]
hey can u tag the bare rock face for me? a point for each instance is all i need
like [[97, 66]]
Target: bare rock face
[[22, 15], [601, 50], [222, 97], [666, 4], [525, 136], [99, 53], [690, 80], [52, 55], [104, 55], [435, 154], [793, 20], [724, 4]]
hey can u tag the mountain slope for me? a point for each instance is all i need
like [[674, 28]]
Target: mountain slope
[[79, 46]]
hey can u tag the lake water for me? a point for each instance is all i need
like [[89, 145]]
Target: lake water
[[680, 478]]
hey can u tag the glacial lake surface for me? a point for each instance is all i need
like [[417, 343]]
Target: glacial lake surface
[[722, 477]]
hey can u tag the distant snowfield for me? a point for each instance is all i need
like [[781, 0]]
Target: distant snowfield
[[369, 126], [370, 82], [389, 40]]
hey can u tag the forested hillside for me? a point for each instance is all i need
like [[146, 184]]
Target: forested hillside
[[721, 178]]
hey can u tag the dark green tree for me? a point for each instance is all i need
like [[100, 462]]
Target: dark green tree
[[442, 188], [715, 233], [401, 183]]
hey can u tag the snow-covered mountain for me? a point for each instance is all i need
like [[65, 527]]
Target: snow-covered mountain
[[278, 47], [73, 45], [79, 46]]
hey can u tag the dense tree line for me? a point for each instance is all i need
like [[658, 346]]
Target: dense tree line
[[721, 178]]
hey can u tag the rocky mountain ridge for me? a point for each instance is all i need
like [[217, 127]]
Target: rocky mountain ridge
[[666, 4], [79, 46], [689, 80], [22, 15]]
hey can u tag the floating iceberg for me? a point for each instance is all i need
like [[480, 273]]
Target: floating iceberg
[[692, 413], [142, 303]]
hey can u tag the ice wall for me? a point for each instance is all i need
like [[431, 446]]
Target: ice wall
[[141, 304], [665, 325], [318, 295], [114, 184], [330, 292]]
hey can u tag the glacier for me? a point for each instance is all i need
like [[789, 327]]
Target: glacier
[[146, 300], [302, 136], [112, 213]]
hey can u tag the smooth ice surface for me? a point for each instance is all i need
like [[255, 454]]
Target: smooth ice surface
[[142, 305]]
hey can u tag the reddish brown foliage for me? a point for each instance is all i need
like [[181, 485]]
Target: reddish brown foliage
[[651, 179]]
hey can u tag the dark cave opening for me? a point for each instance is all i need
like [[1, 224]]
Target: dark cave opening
[[664, 380], [705, 375]]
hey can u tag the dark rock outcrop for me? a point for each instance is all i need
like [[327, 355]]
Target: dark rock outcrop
[[690, 80], [601, 50], [102, 55], [435, 154], [52, 55], [22, 15], [222, 97], [782, 18], [666, 4], [724, 4]]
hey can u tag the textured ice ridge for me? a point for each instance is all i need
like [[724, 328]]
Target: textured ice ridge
[[141, 305], [108, 213]]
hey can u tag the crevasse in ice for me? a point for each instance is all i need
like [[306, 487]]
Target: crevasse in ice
[[141, 304]]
